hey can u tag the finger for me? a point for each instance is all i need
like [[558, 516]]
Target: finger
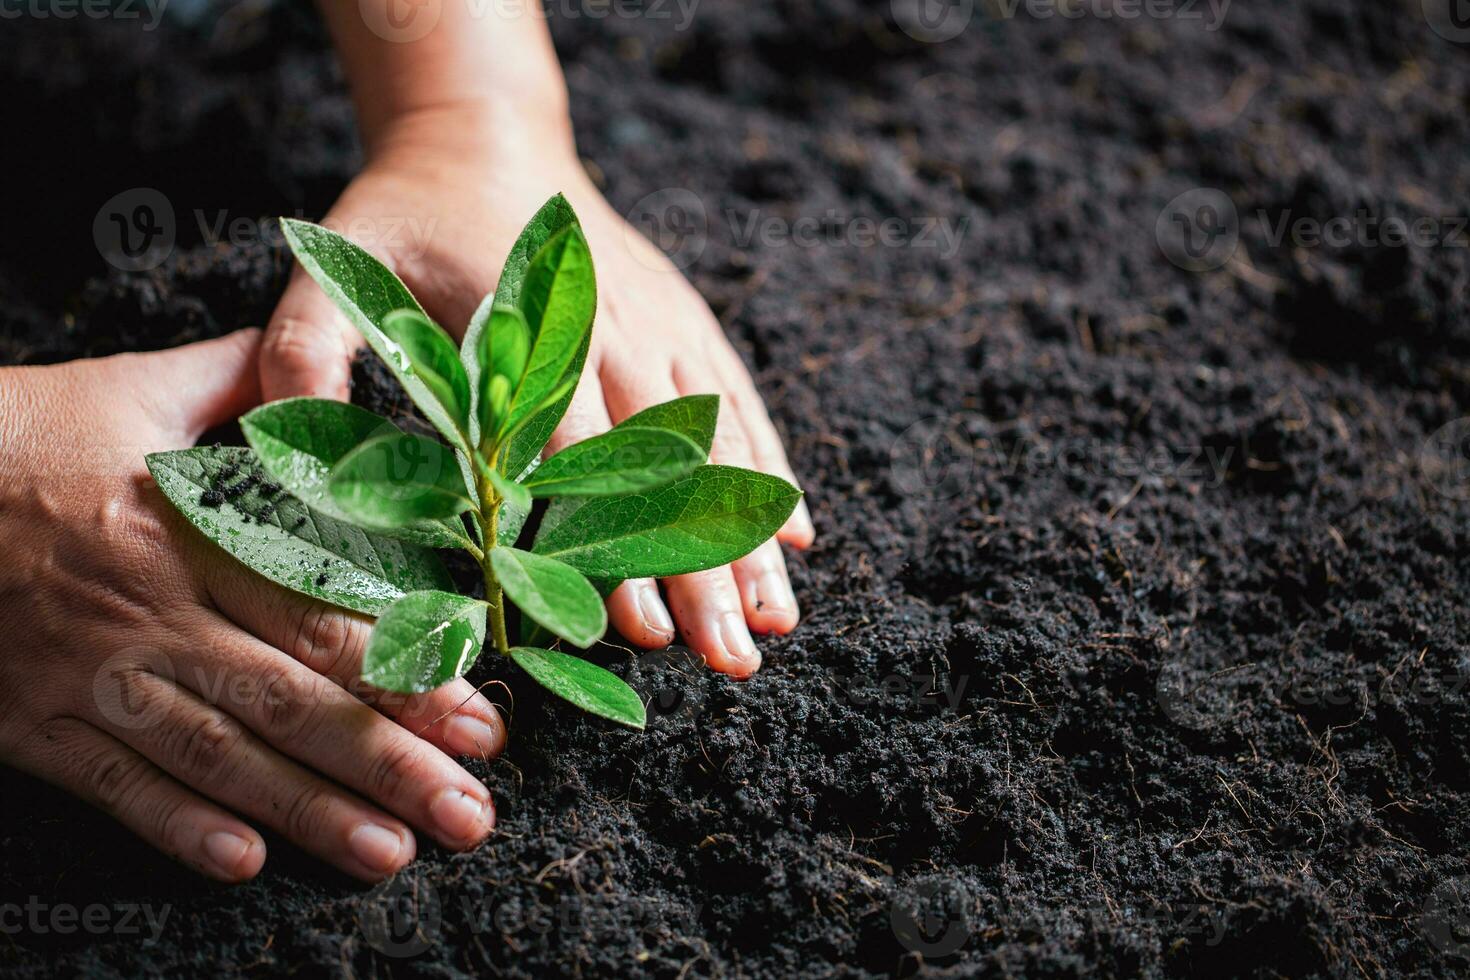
[[208, 750], [109, 775], [192, 388], [314, 721], [766, 446], [455, 718], [308, 346], [636, 609], [706, 605], [765, 590]]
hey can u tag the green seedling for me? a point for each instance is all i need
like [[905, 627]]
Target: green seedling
[[342, 505]]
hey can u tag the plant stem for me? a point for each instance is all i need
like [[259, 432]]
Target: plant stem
[[489, 524]]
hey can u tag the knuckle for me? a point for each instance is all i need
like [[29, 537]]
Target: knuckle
[[297, 343], [115, 777], [287, 705], [308, 814], [169, 818], [323, 638], [396, 767], [204, 748]]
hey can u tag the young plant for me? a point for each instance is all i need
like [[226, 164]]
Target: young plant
[[340, 504]]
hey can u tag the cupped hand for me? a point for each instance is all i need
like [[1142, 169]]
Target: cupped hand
[[150, 674], [441, 201]]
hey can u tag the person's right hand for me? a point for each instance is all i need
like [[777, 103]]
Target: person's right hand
[[149, 673]]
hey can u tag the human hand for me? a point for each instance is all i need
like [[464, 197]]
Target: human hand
[[150, 675], [441, 202]]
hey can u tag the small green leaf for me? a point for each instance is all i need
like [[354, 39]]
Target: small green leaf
[[555, 595], [584, 684], [494, 402], [299, 440], [527, 443], [552, 217], [396, 479], [423, 641], [709, 518], [366, 291], [692, 416], [512, 492], [222, 491], [558, 298], [622, 460], [507, 343], [434, 358], [510, 522]]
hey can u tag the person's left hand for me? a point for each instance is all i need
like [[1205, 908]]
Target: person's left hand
[[441, 202]]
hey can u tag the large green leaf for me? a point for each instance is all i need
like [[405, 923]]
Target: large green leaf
[[555, 595], [584, 684], [397, 479], [224, 492], [528, 442], [558, 298], [709, 518], [366, 291], [299, 440], [692, 416], [424, 641], [434, 359], [552, 217], [622, 460]]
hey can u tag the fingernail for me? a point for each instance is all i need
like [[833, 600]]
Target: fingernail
[[377, 848], [459, 815], [655, 616], [737, 642], [773, 594], [225, 851], [470, 735]]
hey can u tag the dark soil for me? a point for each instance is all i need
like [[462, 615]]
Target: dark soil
[[1156, 668]]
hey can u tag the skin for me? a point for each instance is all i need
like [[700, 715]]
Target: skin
[[194, 700]]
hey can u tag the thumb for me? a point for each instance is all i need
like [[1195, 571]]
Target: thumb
[[308, 345], [195, 387]]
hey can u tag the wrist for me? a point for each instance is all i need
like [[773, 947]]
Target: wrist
[[492, 129]]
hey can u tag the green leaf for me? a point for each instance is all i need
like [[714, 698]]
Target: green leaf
[[510, 522], [709, 518], [397, 479], [622, 460], [584, 684], [366, 291], [223, 492], [434, 358], [558, 298], [526, 444], [555, 595], [424, 641], [515, 494], [692, 416], [505, 344], [553, 216], [299, 440]]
